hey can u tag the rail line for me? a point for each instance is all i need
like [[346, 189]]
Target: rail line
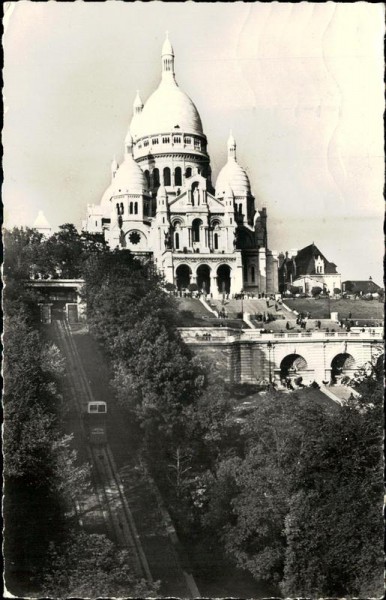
[[113, 504]]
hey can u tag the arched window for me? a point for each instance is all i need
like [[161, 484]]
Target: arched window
[[196, 225], [178, 176], [216, 241], [147, 177], [135, 208], [121, 208], [253, 274], [131, 208], [240, 209], [166, 176], [156, 178], [177, 241], [117, 209], [188, 172]]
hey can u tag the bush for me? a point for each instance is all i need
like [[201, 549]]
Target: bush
[[316, 291]]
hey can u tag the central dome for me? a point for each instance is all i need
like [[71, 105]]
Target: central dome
[[168, 109]]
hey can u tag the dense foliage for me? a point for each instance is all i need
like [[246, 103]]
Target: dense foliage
[[91, 566], [43, 477], [245, 492], [293, 494]]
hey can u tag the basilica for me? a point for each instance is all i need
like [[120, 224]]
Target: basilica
[[161, 202]]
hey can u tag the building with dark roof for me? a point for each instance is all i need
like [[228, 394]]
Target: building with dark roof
[[361, 287], [307, 268]]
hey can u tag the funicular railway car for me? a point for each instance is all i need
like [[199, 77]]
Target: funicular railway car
[[95, 420]]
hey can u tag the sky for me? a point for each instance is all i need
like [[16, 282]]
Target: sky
[[300, 85]]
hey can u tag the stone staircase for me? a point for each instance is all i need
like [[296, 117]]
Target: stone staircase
[[253, 306]]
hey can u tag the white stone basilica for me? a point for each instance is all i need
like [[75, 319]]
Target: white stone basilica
[[161, 202]]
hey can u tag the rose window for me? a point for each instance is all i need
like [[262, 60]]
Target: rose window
[[134, 237]]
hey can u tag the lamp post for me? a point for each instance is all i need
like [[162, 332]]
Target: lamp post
[[270, 348]]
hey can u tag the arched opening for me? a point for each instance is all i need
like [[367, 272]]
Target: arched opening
[[167, 176], [177, 241], [224, 279], [135, 208], [293, 367], [188, 172], [342, 364], [147, 177], [178, 176], [122, 210], [183, 274], [215, 240], [131, 208], [156, 178], [203, 278], [196, 226], [253, 274]]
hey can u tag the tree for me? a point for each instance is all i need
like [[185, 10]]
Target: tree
[[337, 291], [334, 524], [91, 566], [193, 287], [316, 291], [349, 286]]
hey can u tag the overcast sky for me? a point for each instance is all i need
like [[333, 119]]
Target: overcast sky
[[300, 85]]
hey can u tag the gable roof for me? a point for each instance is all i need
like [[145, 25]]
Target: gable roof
[[364, 286], [305, 261]]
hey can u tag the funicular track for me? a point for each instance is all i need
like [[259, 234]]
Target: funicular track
[[113, 504]]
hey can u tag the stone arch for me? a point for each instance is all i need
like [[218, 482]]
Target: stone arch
[[156, 180], [224, 278], [177, 176], [196, 229], [203, 277], [293, 366], [343, 364], [167, 176], [183, 276]]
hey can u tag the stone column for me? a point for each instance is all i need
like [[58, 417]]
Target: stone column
[[213, 282]]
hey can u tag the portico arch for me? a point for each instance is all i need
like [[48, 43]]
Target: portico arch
[[183, 275], [203, 278], [224, 279], [342, 364]]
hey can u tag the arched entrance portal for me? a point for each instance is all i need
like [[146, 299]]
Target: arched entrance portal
[[224, 279], [293, 367], [203, 278], [183, 274], [341, 365]]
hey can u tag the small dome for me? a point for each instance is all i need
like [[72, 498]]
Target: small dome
[[129, 178], [106, 201], [234, 177], [41, 222]]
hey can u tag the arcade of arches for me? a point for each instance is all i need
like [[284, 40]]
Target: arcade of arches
[[208, 279]]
